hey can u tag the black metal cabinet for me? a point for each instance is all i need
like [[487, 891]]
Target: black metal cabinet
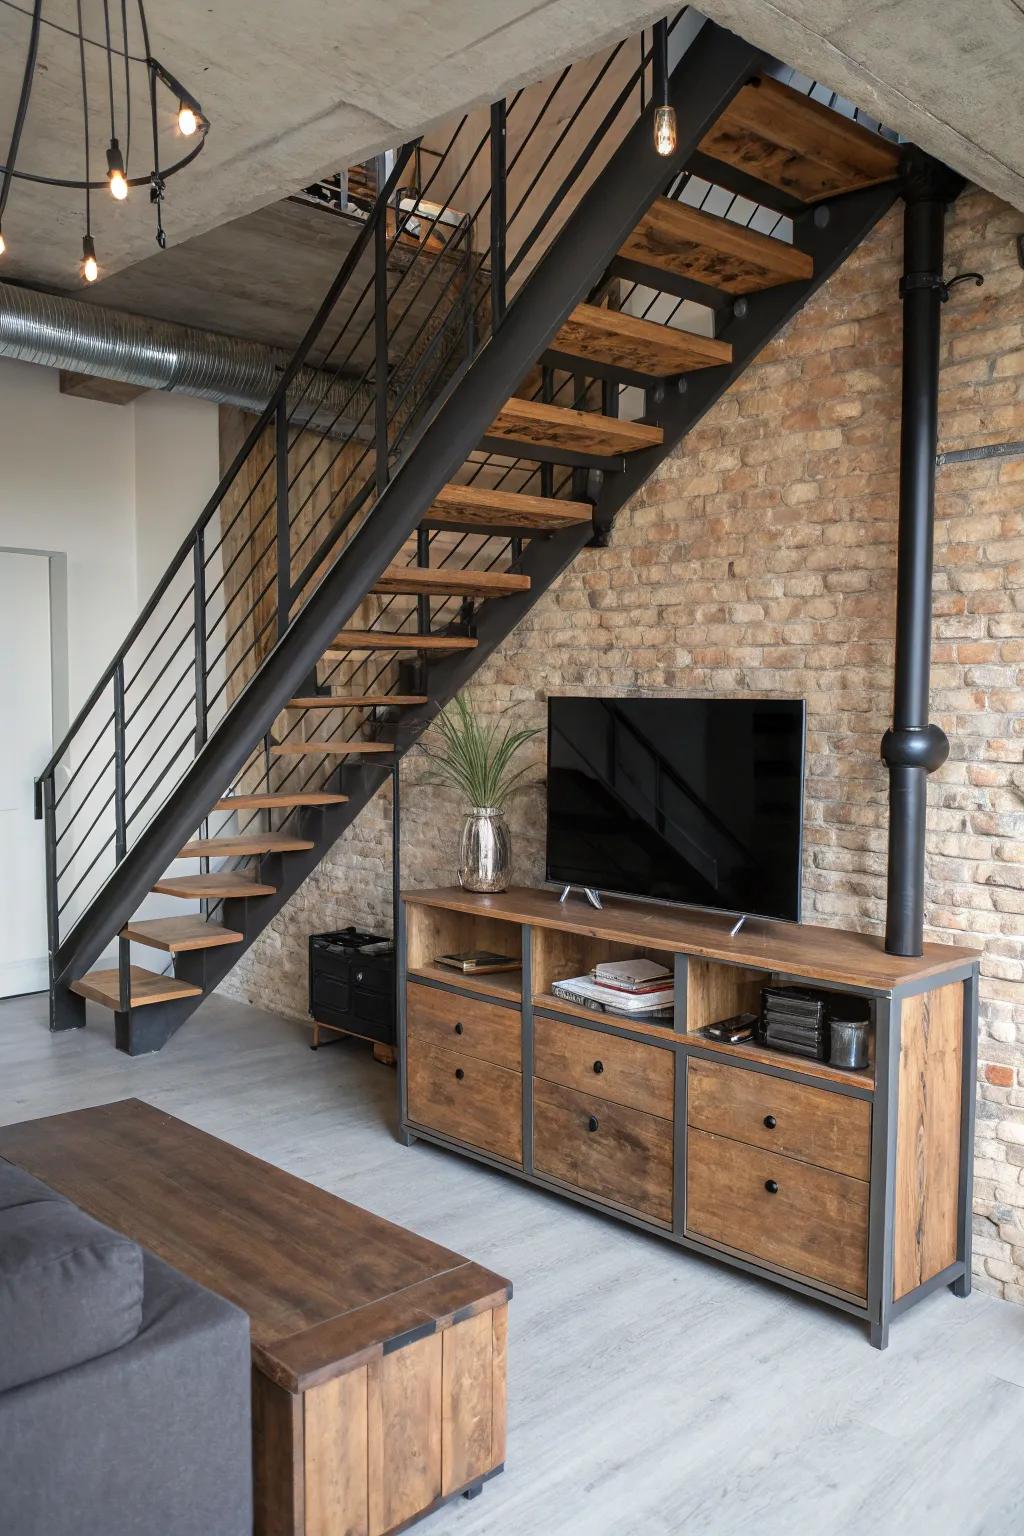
[[351, 990]]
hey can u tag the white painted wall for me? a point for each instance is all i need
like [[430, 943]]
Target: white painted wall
[[113, 488]]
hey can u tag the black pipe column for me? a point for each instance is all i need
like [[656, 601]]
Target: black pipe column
[[913, 748]]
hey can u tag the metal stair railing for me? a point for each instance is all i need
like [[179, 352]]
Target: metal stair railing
[[431, 277]]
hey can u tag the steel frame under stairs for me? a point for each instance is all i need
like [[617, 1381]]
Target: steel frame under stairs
[[497, 440]]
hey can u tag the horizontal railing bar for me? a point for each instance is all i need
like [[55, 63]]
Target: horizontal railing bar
[[227, 479]]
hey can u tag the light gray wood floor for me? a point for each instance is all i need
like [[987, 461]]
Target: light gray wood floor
[[651, 1393]]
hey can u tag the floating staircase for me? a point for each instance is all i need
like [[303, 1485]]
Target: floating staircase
[[463, 523]]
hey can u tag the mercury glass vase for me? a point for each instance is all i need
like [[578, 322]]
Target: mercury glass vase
[[485, 859]]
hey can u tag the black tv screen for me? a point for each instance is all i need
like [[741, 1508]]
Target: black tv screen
[[698, 801]]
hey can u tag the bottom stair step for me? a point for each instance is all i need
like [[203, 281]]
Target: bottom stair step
[[178, 935], [144, 987]]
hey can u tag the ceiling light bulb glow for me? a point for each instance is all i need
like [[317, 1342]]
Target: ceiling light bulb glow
[[188, 122], [665, 136]]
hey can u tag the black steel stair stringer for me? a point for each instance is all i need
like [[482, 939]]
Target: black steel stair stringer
[[705, 81]]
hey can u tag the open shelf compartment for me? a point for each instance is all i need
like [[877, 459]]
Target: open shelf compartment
[[558, 955], [433, 931]]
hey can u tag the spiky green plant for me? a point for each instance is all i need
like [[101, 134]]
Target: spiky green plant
[[475, 756]]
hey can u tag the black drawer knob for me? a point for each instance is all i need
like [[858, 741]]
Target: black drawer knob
[[770, 1122], [459, 1073], [592, 1123], [458, 1029], [771, 1186], [598, 1067]]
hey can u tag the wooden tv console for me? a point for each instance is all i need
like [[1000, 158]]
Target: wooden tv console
[[852, 1187]]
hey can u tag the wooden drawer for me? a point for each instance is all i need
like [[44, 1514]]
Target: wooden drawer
[[605, 1149], [815, 1224], [813, 1124], [468, 1099], [455, 1022], [639, 1076]]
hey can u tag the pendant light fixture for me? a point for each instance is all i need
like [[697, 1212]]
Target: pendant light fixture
[[121, 46], [665, 133]]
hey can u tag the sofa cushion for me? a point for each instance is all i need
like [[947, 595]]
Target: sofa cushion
[[70, 1290], [19, 1188]]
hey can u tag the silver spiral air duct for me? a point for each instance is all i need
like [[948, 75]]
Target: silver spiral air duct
[[59, 332]]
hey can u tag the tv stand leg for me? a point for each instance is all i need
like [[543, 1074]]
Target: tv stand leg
[[589, 893], [737, 925]]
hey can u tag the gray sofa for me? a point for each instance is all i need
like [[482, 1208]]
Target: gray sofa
[[124, 1387]]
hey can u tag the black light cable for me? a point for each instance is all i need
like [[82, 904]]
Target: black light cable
[[19, 119]]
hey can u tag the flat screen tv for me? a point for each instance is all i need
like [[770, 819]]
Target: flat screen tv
[[696, 801]]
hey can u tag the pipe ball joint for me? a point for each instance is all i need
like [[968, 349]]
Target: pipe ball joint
[[926, 747]]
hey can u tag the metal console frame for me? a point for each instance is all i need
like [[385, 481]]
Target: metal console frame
[[879, 1308]]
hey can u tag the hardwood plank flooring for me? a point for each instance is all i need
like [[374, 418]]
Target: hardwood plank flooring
[[642, 1380]]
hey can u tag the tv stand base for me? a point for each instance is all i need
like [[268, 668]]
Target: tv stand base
[[589, 893], [737, 925]]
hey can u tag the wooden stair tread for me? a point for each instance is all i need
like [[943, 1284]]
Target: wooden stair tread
[[380, 640], [415, 579], [797, 145], [327, 749], [559, 426], [211, 887], [144, 987], [474, 506], [356, 701], [278, 800], [178, 935], [242, 847], [641, 346], [713, 251]]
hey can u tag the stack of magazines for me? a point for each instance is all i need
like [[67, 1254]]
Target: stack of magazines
[[633, 989]]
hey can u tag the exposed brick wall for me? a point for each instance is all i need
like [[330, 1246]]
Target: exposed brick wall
[[761, 559]]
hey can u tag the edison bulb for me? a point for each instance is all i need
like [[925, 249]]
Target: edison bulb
[[188, 122], [89, 267], [665, 130], [3, 243], [118, 185]]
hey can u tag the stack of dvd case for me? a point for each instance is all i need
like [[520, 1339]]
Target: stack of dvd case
[[796, 1020]]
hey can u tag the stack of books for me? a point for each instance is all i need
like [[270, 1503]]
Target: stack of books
[[632, 989]]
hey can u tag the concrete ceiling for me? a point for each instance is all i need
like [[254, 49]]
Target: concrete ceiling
[[295, 91]]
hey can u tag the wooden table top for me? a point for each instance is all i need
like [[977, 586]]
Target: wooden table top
[[797, 949], [325, 1283]]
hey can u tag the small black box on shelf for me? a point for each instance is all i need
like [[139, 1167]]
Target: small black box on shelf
[[352, 983], [799, 1020]]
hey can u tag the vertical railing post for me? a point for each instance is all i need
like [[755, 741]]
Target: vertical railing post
[[380, 332], [120, 828], [199, 626], [49, 810], [284, 541], [499, 216]]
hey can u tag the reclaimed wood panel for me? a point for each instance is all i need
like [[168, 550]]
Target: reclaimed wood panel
[[639, 1076], [467, 1356], [465, 1024], [626, 1158], [406, 1414], [714, 251], [465, 1098], [928, 1135], [278, 1443], [336, 1456], [815, 1225], [716, 992], [829, 1129]]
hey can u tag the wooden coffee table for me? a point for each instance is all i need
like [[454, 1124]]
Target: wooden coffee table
[[379, 1357]]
